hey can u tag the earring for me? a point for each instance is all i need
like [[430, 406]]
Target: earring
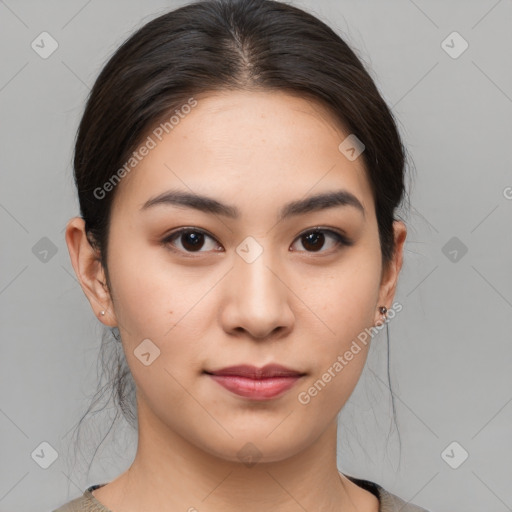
[[383, 310], [102, 313]]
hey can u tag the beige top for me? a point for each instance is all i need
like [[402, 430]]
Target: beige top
[[388, 502]]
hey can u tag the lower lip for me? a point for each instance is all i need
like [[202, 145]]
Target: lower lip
[[257, 389]]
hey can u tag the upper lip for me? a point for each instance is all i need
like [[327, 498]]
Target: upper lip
[[253, 372]]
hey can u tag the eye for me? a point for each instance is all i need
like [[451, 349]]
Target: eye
[[314, 240], [191, 240]]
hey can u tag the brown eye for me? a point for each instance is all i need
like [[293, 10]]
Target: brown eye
[[315, 240], [191, 240]]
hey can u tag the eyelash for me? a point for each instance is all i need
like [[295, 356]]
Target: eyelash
[[341, 240]]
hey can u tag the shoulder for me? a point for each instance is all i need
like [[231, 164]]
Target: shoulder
[[85, 503], [389, 502]]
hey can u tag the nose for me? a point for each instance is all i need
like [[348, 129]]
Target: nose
[[257, 300]]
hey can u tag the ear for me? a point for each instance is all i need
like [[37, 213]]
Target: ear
[[89, 271], [391, 272]]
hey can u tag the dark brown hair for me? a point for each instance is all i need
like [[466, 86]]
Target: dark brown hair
[[226, 45]]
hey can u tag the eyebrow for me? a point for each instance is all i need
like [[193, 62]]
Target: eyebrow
[[210, 205]]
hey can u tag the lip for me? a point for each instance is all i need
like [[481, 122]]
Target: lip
[[248, 381], [253, 372], [256, 389]]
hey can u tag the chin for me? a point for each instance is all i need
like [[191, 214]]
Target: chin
[[260, 447]]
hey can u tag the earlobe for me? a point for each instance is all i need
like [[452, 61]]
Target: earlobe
[[89, 271]]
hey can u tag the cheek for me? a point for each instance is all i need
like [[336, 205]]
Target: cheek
[[346, 298], [347, 313], [139, 297], [157, 301], [148, 295], [345, 301]]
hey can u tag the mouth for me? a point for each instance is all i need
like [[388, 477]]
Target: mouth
[[255, 383]]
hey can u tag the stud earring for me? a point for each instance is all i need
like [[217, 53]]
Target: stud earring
[[102, 313], [383, 310]]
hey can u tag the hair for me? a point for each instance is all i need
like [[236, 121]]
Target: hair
[[222, 45]]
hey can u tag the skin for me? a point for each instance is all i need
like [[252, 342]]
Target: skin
[[209, 308]]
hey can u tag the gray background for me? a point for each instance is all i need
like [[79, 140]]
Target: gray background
[[451, 349]]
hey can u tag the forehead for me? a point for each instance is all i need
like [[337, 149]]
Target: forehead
[[252, 148]]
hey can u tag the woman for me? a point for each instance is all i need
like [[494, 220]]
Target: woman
[[238, 174]]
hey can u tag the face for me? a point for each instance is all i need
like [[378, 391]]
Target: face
[[255, 282]]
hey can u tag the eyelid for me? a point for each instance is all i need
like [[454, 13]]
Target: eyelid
[[329, 229], [340, 235], [166, 242]]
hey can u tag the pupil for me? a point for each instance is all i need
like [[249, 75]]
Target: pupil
[[314, 237], [193, 240]]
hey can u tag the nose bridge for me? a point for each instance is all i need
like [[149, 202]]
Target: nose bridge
[[258, 294], [255, 271]]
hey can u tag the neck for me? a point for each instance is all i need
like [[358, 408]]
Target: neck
[[171, 473]]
